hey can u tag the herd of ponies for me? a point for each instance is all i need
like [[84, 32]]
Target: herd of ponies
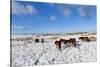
[[71, 42]]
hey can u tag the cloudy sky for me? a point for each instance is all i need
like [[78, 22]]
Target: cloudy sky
[[39, 17]]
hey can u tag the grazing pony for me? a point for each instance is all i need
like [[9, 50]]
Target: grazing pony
[[84, 39], [71, 42]]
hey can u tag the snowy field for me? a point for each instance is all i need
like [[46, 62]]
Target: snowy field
[[29, 53]]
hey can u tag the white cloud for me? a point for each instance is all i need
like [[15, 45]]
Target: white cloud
[[53, 17], [31, 9], [64, 10], [51, 4], [84, 11], [20, 9], [18, 27]]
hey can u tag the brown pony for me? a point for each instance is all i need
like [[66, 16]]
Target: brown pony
[[71, 42], [37, 40], [58, 44], [84, 39], [92, 38]]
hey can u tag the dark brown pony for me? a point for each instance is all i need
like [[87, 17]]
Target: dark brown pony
[[58, 44], [84, 39], [71, 42], [37, 40]]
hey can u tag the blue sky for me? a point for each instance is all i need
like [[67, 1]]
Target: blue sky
[[39, 17]]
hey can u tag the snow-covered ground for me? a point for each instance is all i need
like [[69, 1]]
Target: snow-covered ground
[[26, 53]]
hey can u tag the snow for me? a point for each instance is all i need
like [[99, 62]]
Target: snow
[[29, 54]]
